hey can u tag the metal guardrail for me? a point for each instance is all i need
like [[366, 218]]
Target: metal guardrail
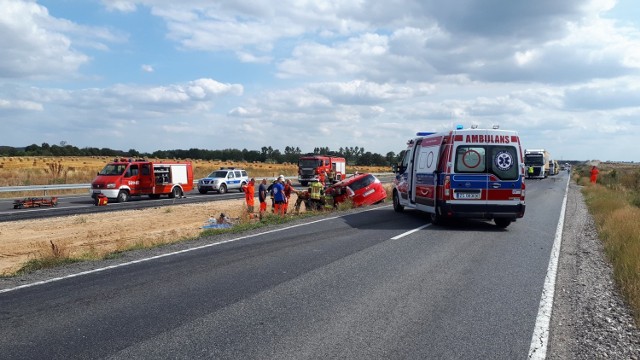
[[46, 188]]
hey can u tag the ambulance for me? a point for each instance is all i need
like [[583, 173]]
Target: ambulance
[[463, 173]]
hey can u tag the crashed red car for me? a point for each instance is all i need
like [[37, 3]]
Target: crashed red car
[[361, 189]]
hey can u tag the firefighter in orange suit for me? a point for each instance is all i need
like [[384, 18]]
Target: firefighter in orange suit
[[249, 194], [594, 174]]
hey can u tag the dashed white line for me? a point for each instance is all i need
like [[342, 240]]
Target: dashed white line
[[410, 232]]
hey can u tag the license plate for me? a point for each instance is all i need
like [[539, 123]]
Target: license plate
[[467, 196]]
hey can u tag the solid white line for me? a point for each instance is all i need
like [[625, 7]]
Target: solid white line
[[540, 338], [410, 232], [158, 256]]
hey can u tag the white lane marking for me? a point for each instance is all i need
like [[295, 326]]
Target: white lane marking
[[410, 232], [540, 338], [172, 253], [158, 256]]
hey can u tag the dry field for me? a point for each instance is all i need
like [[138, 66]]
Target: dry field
[[34, 170], [95, 235]]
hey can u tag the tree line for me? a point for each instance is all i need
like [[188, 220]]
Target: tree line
[[356, 156]]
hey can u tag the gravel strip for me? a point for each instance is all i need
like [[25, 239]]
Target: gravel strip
[[590, 320]]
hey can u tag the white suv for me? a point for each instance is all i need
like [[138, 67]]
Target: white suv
[[223, 180]]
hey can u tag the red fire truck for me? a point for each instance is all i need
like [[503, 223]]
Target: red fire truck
[[312, 168], [123, 178]]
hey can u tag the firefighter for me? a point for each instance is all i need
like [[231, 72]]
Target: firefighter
[[315, 195], [594, 174], [249, 194], [331, 176], [530, 171]]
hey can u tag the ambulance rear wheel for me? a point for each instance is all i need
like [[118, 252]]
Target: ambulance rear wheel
[[436, 219], [502, 222], [396, 202], [123, 196]]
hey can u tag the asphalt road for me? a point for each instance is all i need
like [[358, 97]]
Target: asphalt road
[[357, 286]]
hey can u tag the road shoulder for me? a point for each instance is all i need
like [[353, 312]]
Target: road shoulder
[[589, 319]]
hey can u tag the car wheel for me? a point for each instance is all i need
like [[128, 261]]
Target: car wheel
[[222, 189], [502, 222], [242, 185], [123, 196], [202, 190], [396, 202]]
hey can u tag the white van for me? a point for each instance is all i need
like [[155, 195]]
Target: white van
[[463, 173]]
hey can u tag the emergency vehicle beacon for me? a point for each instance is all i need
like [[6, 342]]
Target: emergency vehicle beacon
[[463, 173]]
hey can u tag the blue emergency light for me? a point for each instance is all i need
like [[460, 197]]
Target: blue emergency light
[[423, 133], [459, 127]]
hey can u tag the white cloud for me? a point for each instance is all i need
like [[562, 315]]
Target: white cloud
[[147, 68]]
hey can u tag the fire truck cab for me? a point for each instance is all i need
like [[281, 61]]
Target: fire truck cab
[[463, 173], [312, 168], [123, 178]]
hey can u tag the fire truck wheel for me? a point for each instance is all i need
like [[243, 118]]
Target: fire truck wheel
[[396, 202], [123, 196], [502, 222], [222, 189], [176, 192]]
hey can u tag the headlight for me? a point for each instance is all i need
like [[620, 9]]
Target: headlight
[[111, 186]]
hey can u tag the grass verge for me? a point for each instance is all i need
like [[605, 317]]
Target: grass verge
[[617, 217]]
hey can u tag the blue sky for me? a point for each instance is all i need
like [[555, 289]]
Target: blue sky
[[159, 74]]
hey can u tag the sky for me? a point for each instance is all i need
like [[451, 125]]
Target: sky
[[243, 74]]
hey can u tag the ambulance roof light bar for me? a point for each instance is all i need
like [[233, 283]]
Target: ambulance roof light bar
[[474, 126], [496, 127]]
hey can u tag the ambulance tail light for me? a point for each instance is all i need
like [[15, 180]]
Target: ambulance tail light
[[447, 187], [522, 191]]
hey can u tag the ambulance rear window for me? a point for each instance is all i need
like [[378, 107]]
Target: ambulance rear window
[[498, 160], [470, 159]]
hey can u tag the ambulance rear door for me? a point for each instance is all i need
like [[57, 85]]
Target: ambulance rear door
[[425, 177], [505, 174], [469, 180]]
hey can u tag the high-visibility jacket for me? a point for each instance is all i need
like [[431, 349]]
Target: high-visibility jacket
[[316, 190]]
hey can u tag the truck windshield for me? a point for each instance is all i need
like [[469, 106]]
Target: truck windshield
[[533, 160], [113, 169], [309, 163]]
